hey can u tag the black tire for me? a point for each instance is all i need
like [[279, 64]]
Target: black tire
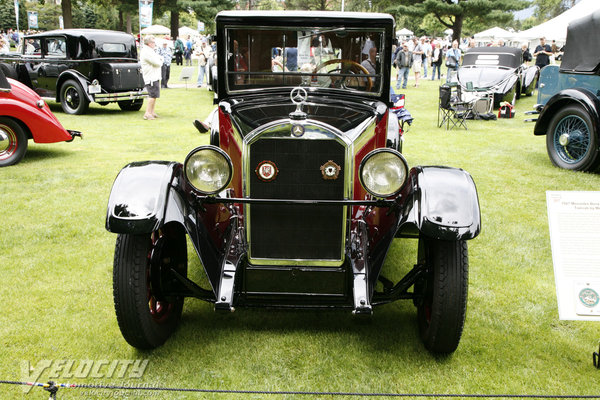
[[72, 98], [9, 71], [131, 105], [13, 142], [442, 308], [570, 140], [146, 317]]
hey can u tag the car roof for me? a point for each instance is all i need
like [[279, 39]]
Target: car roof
[[316, 17], [88, 33], [508, 56], [580, 55]]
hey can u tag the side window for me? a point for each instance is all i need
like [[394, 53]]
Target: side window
[[56, 47], [32, 47]]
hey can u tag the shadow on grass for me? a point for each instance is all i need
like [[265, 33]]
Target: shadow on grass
[[95, 109], [39, 154]]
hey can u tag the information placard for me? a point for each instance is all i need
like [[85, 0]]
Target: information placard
[[574, 222]]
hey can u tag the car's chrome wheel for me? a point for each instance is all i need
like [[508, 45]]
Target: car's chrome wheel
[[570, 141], [146, 315], [442, 293], [13, 142]]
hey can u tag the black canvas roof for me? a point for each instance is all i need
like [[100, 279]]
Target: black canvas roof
[[582, 54], [493, 57]]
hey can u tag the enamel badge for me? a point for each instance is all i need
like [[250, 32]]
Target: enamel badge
[[330, 170], [266, 171]]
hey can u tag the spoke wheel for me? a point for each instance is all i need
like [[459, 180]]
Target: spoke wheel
[[146, 314], [570, 140], [442, 294], [72, 98], [13, 142]]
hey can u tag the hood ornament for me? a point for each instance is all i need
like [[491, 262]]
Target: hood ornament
[[298, 96]]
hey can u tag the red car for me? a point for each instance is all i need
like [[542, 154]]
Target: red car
[[23, 116]]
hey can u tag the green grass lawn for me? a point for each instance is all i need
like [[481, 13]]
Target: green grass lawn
[[56, 260]]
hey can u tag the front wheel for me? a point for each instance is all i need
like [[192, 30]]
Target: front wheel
[[131, 105], [146, 313], [571, 141], [442, 293], [72, 98], [13, 142]]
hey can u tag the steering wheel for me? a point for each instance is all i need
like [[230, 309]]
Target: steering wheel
[[340, 82]]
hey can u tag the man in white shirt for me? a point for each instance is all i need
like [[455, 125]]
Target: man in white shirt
[[151, 70]]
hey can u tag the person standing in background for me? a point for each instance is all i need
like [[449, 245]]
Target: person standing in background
[[167, 54], [403, 63], [151, 70], [179, 48], [542, 53], [203, 55], [436, 60], [187, 51]]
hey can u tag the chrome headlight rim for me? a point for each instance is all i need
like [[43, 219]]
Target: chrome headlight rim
[[219, 151], [374, 153]]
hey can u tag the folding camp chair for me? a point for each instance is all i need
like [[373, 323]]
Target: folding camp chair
[[452, 111]]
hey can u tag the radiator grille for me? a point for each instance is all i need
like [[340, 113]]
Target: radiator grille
[[297, 232]]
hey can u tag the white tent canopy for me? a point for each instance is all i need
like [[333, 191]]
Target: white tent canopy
[[156, 30], [185, 31], [404, 32], [556, 28], [493, 33]]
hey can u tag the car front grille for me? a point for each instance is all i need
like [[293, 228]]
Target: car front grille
[[297, 232]]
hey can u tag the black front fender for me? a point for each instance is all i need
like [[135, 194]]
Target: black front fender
[[580, 96], [442, 203], [139, 197]]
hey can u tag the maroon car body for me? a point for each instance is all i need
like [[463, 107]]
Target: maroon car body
[[23, 116]]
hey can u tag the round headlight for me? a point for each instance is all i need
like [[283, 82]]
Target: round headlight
[[383, 172], [208, 169]]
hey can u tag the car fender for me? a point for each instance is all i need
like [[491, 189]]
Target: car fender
[[530, 75], [140, 197], [79, 77], [442, 203], [583, 97]]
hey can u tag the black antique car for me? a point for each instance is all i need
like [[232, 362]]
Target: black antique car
[[569, 100], [499, 71], [300, 194], [79, 66]]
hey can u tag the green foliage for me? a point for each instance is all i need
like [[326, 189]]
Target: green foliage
[[473, 14], [48, 15], [7, 15]]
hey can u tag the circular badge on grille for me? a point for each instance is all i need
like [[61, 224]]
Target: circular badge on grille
[[330, 170], [266, 171], [297, 130]]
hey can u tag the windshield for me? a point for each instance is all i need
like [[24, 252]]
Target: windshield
[[339, 58]]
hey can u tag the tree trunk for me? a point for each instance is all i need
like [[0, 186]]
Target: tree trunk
[[66, 12], [457, 28], [174, 24], [129, 30], [121, 21]]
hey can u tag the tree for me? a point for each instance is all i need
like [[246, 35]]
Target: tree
[[454, 14], [66, 12], [7, 15], [548, 9]]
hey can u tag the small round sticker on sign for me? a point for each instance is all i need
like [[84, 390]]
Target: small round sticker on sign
[[589, 297], [266, 171]]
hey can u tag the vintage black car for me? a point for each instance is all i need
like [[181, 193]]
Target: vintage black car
[[300, 194], [499, 71], [79, 66], [569, 100]]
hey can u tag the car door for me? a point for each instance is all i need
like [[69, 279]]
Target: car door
[[51, 65]]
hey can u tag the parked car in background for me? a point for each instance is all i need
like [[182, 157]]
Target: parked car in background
[[499, 70], [568, 100], [23, 116], [301, 192], [79, 66]]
